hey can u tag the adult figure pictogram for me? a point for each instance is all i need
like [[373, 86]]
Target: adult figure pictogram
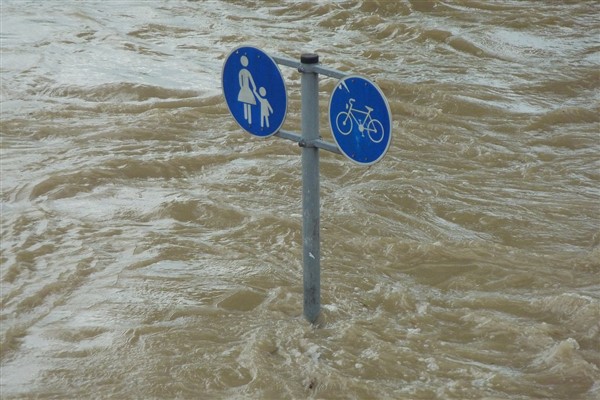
[[246, 94]]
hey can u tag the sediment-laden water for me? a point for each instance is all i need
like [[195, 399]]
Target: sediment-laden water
[[152, 249]]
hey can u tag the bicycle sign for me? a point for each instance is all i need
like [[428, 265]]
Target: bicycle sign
[[360, 120]]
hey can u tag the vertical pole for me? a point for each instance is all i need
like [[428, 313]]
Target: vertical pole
[[311, 254]]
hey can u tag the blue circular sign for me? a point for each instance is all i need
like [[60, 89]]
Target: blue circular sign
[[360, 120], [254, 91]]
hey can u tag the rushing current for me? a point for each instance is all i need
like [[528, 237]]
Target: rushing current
[[151, 249]]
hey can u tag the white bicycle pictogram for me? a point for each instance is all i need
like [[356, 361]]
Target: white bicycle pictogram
[[345, 122]]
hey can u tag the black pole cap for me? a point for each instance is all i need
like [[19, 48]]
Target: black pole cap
[[309, 58]]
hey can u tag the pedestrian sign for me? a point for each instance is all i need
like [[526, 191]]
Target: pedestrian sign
[[360, 120], [254, 91]]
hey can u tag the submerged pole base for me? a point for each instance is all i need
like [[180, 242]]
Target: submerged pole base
[[311, 252]]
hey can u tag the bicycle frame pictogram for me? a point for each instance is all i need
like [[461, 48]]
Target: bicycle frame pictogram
[[345, 121]]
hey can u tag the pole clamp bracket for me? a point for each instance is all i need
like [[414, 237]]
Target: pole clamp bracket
[[308, 144]]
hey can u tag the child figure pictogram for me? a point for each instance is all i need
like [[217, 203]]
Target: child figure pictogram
[[265, 107]]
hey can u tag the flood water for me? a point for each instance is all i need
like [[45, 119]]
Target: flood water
[[152, 249]]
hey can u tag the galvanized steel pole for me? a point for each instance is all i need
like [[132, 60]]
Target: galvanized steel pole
[[311, 254]]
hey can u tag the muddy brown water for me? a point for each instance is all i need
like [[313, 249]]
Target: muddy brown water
[[151, 249]]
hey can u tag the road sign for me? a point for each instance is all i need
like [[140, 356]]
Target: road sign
[[254, 91], [360, 120]]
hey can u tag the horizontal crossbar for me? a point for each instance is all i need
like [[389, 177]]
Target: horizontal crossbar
[[316, 68], [319, 143]]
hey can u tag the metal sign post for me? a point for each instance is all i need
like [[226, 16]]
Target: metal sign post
[[361, 128], [311, 254]]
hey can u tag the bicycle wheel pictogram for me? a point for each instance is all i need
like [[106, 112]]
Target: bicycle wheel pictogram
[[375, 131], [344, 123]]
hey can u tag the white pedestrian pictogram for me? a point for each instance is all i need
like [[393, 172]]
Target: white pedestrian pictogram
[[246, 95], [249, 95], [265, 107]]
